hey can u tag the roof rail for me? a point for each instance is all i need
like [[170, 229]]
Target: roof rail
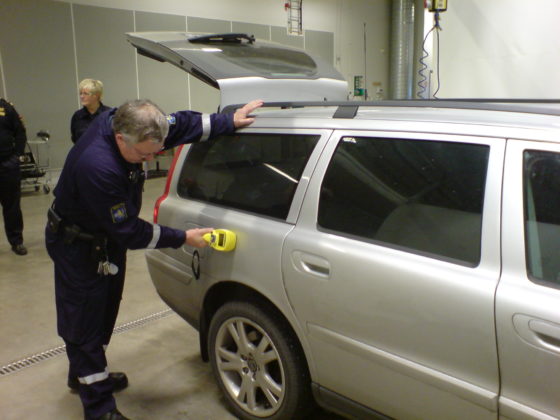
[[348, 109]]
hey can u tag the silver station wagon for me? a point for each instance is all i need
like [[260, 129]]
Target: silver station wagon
[[398, 259]]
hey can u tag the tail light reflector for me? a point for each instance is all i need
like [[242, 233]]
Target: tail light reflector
[[168, 183]]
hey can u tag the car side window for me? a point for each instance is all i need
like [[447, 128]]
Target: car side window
[[253, 172], [541, 184], [421, 196]]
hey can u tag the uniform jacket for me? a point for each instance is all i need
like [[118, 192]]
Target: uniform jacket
[[101, 192], [82, 119], [12, 131]]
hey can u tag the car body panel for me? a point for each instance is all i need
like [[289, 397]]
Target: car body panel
[[538, 128], [399, 325], [171, 269], [527, 314]]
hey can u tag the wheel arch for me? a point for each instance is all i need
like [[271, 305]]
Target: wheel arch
[[228, 291]]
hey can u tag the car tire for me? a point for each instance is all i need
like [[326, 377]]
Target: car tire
[[258, 363]]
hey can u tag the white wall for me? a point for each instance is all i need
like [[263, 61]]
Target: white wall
[[345, 18], [270, 12], [359, 23], [500, 49], [488, 48]]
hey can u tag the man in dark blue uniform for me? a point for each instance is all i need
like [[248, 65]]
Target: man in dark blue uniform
[[95, 219], [12, 146]]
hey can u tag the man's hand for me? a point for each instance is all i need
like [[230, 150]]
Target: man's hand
[[241, 119], [193, 237]]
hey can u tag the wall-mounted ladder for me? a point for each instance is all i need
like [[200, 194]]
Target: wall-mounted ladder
[[294, 17]]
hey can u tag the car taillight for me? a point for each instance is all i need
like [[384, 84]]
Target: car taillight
[[167, 184]]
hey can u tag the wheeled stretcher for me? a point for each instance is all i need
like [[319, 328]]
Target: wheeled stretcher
[[32, 173]]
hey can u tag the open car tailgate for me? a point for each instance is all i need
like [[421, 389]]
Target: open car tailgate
[[243, 68]]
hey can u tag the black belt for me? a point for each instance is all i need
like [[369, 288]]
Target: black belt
[[73, 232]]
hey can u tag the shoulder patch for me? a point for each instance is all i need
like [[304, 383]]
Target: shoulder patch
[[171, 119], [118, 213], [2, 111]]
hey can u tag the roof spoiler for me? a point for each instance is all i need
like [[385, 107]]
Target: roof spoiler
[[236, 38]]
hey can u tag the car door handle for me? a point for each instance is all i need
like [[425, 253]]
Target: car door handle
[[546, 331], [538, 332], [311, 264]]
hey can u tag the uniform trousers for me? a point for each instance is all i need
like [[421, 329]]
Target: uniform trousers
[[87, 304], [10, 198]]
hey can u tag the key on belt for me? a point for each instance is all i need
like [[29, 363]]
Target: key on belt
[[106, 268]]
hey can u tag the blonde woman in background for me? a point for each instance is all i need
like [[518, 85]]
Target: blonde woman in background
[[91, 92]]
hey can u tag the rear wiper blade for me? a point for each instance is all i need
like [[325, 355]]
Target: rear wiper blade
[[235, 38]]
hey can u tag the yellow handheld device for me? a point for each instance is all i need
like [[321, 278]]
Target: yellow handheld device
[[221, 239]]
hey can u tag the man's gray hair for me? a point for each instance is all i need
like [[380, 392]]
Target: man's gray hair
[[141, 120]]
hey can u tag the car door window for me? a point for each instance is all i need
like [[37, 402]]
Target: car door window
[[421, 196], [541, 183], [253, 172]]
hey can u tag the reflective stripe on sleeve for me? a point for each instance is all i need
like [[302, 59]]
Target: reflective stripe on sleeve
[[155, 237], [206, 127], [96, 377]]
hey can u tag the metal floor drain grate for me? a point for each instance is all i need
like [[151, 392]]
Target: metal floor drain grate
[[31, 360], [57, 351], [142, 321]]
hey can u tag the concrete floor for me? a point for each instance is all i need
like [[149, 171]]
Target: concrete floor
[[168, 379]]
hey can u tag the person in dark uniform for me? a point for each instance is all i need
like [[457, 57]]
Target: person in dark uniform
[[94, 219], [12, 146], [91, 92]]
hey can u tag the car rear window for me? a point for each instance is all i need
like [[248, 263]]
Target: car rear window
[[258, 173], [415, 195], [542, 216]]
